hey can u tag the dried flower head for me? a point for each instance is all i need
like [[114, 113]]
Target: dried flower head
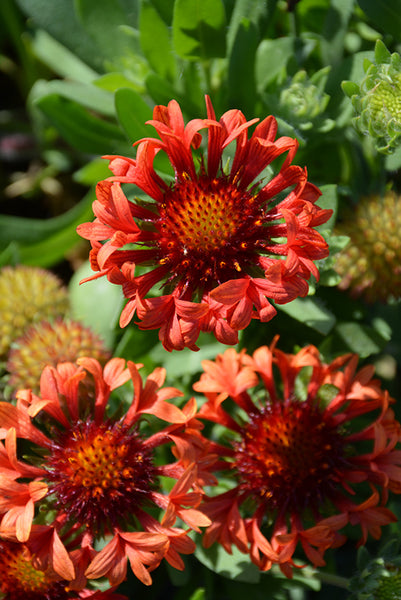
[[27, 295], [370, 265], [48, 343], [219, 243]]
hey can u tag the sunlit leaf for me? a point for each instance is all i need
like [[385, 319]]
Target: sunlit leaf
[[152, 27], [310, 312], [199, 28], [96, 303]]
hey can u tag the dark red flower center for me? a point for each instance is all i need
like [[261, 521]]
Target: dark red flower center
[[101, 474], [20, 580], [211, 231], [290, 456]]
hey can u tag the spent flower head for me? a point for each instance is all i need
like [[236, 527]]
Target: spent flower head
[[99, 473], [27, 295], [218, 244], [302, 465], [49, 343], [377, 99], [370, 265]]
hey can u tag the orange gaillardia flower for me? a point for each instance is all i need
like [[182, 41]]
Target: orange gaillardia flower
[[20, 579], [301, 463], [100, 473], [220, 243]]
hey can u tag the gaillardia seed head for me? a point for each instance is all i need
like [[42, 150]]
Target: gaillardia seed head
[[49, 343], [27, 295], [219, 243], [377, 99], [370, 265]]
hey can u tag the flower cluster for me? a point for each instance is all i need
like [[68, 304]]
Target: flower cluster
[[88, 476], [220, 244], [301, 465]]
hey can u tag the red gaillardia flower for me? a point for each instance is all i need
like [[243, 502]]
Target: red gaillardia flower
[[303, 465], [21, 579], [220, 243], [99, 472]]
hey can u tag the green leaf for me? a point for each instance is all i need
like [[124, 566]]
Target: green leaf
[[363, 339], [34, 231], [132, 113], [335, 29], [51, 249], [152, 27], [311, 312], [92, 172], [241, 75], [60, 59], [89, 96], [83, 131], [59, 19], [385, 14], [271, 59], [135, 344], [97, 303], [199, 29], [199, 594], [236, 566], [328, 200], [102, 21], [255, 11], [111, 82]]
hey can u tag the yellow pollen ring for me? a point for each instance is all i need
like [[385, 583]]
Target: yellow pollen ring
[[99, 464]]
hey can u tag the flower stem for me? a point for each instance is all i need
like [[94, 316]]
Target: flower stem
[[332, 579]]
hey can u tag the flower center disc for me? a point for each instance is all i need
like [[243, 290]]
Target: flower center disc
[[289, 456], [19, 579], [210, 230], [100, 473]]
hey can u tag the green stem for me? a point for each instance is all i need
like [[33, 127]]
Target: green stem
[[331, 579]]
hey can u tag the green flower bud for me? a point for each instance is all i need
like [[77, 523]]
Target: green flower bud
[[377, 99], [302, 100], [378, 578], [300, 104]]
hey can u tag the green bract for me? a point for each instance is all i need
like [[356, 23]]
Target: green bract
[[302, 100], [377, 99], [378, 578]]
